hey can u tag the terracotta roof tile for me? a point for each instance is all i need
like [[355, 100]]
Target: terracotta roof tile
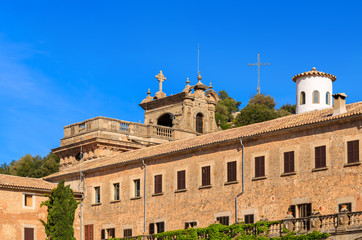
[[9, 181], [287, 122], [314, 72]]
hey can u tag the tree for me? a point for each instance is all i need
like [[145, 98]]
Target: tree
[[61, 210], [224, 109], [261, 108], [29, 166]]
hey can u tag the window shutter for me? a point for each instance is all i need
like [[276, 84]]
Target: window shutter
[[152, 228], [231, 171], [260, 166], [356, 151], [103, 234], [350, 152], [205, 176], [181, 183], [88, 229], [29, 234], [158, 184], [317, 157], [291, 164], [323, 157]]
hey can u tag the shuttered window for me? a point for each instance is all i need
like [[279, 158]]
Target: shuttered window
[[127, 233], [249, 218], [205, 173], [181, 180], [28, 201], [320, 157], [88, 232], [231, 171], [158, 184], [289, 162], [158, 227], [260, 166], [305, 210], [223, 220], [353, 151], [28, 233]]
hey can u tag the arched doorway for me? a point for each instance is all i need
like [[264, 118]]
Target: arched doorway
[[165, 120], [199, 123]]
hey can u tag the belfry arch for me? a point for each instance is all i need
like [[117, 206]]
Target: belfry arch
[[165, 120]]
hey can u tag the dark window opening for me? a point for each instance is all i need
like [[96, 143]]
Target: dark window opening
[[353, 151], [165, 120], [199, 123], [248, 219], [302, 98], [137, 187], [107, 233], [181, 180], [260, 166], [301, 210], [158, 184], [289, 162], [223, 220], [205, 175], [158, 227], [79, 156], [190, 225], [231, 171], [320, 157], [127, 233], [349, 206]]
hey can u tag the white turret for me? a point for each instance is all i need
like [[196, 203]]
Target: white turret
[[314, 90]]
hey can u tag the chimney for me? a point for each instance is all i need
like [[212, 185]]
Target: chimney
[[339, 106]]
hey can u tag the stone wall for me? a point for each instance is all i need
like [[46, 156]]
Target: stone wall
[[269, 196]]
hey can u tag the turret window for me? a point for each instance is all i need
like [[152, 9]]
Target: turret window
[[328, 98], [199, 123], [302, 98], [316, 97]]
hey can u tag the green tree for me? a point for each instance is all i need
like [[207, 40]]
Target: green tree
[[61, 210], [261, 108], [29, 166], [224, 109]]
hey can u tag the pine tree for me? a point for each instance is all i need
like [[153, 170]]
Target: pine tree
[[61, 210]]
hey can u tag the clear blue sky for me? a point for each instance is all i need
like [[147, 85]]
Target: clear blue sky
[[62, 62]]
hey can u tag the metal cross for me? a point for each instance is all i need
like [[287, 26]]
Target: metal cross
[[258, 64], [160, 77]]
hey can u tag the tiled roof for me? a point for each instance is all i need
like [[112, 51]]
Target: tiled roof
[[287, 122], [9, 181], [314, 72]]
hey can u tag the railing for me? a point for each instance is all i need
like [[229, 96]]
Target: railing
[[341, 223], [119, 126]]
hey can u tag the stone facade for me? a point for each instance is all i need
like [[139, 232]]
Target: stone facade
[[267, 196]]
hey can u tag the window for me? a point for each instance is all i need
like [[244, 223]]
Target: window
[[328, 98], [223, 220], [302, 98], [116, 191], [320, 157], [190, 224], [315, 96], [289, 162], [353, 151], [107, 233], [88, 232], [97, 194], [260, 166], [137, 188], [348, 205], [231, 172], [127, 233], [28, 233], [181, 180], [158, 227], [199, 123], [205, 175], [301, 210], [158, 184], [28, 200], [248, 219]]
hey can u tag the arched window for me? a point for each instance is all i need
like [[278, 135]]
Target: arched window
[[302, 98], [315, 96], [199, 123], [328, 98], [165, 120]]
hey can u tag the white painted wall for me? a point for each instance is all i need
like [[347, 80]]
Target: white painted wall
[[309, 85]]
